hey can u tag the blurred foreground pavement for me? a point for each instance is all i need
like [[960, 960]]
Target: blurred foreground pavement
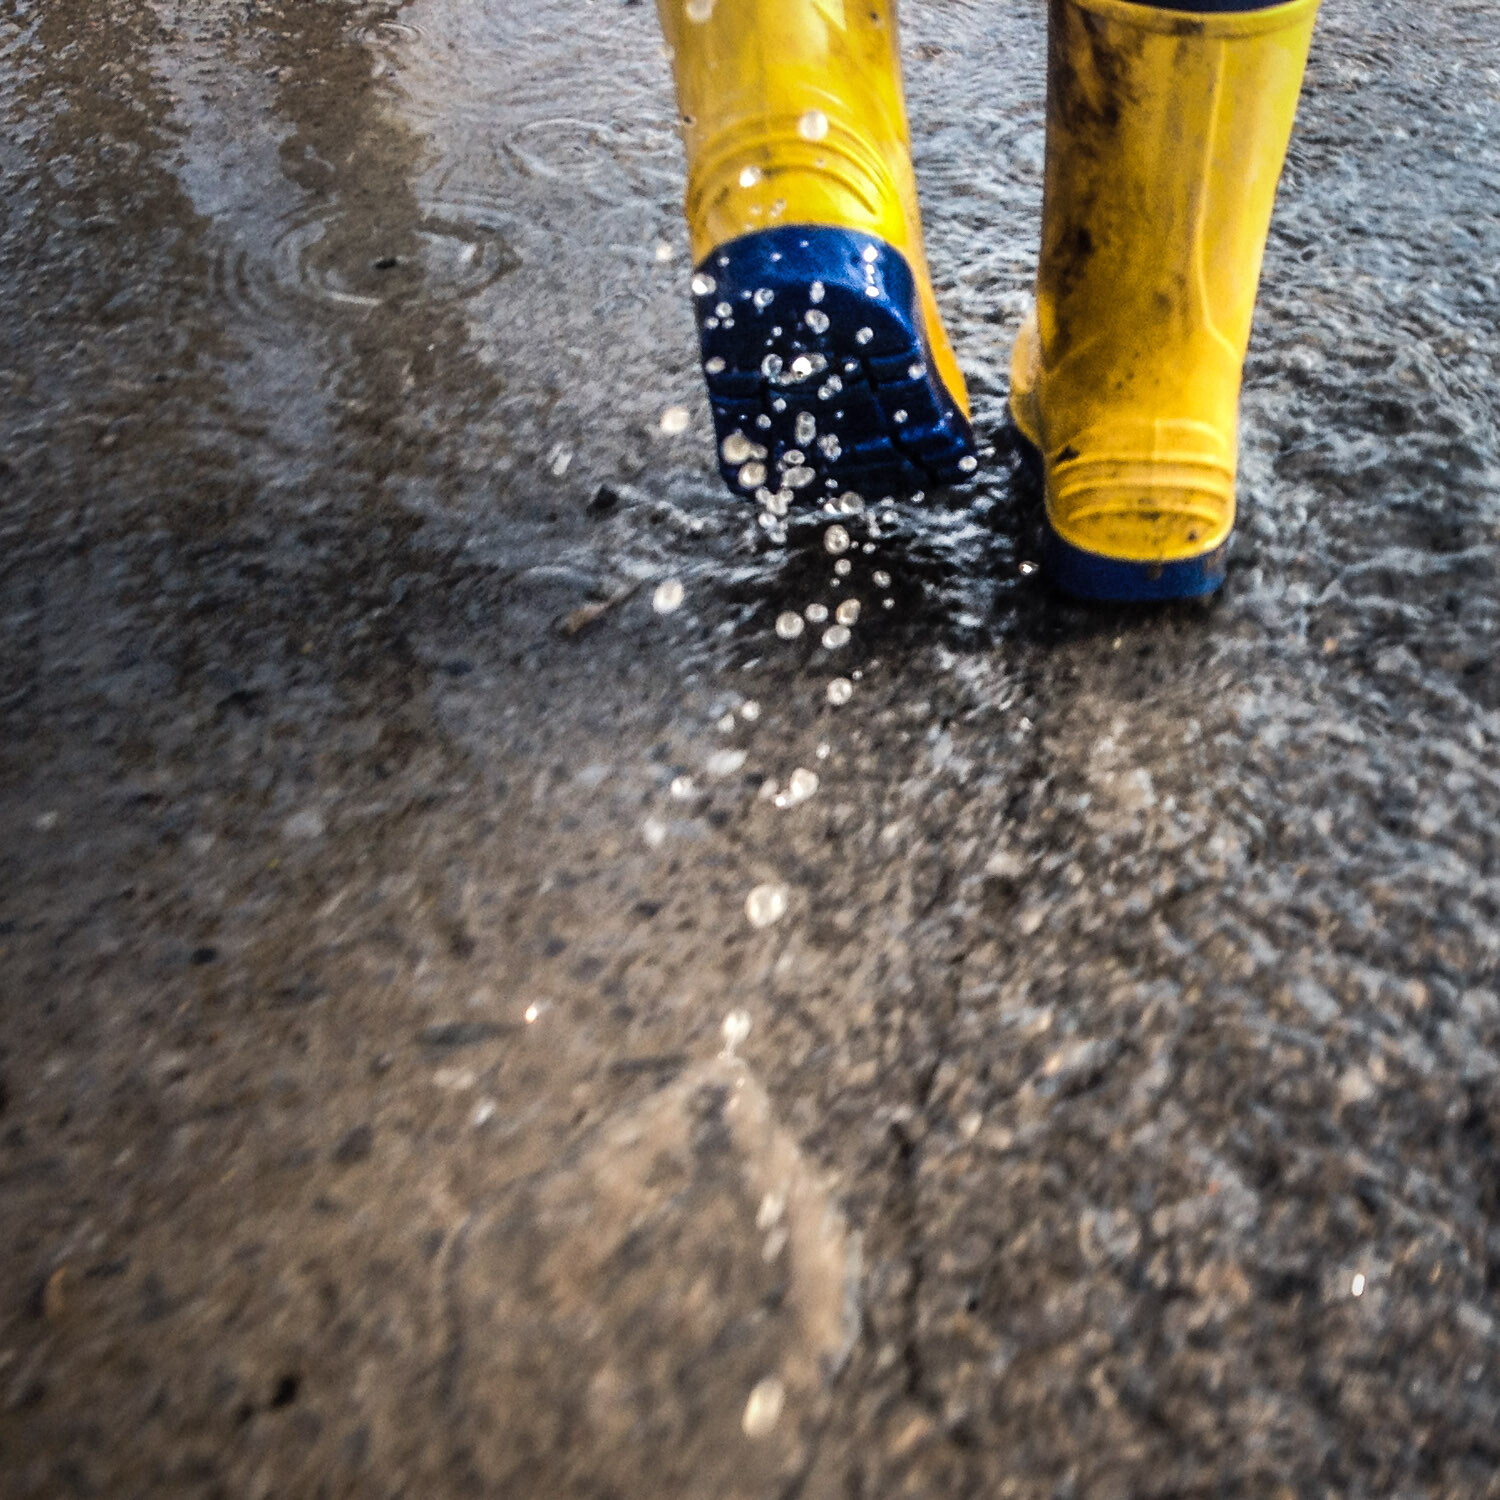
[[1114, 1108]]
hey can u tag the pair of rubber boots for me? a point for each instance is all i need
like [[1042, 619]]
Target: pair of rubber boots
[[827, 365]]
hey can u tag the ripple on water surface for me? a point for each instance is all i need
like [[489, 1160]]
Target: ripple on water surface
[[323, 254]]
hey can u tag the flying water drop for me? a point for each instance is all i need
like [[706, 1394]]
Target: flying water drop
[[668, 596], [763, 1409], [766, 904], [736, 448], [813, 125]]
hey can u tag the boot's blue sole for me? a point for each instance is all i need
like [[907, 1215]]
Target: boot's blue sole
[[1088, 575], [819, 371]]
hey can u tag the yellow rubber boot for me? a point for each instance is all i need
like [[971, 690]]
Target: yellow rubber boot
[[1166, 133], [826, 360]]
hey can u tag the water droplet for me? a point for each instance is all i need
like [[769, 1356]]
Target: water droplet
[[851, 503], [763, 1409], [675, 419], [816, 613], [968, 463], [664, 252], [769, 1214], [561, 457], [916, 371], [806, 428], [840, 691], [724, 763], [531, 1013], [749, 176], [1357, 1286], [752, 475], [793, 458], [868, 548], [870, 255], [750, 710], [829, 446], [836, 540], [888, 604], [736, 448], [830, 388], [778, 405], [813, 125], [704, 285], [1026, 569], [668, 596], [766, 904], [699, 10], [789, 625], [815, 292], [764, 297], [881, 579], [779, 502], [824, 750], [763, 421], [843, 567], [816, 319], [848, 612], [798, 479], [802, 785], [899, 415], [770, 366], [723, 310], [863, 336], [682, 788], [835, 636], [736, 1028], [805, 366], [713, 365]]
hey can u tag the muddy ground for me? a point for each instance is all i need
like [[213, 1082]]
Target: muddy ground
[[396, 1096]]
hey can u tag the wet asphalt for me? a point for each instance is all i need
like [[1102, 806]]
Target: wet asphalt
[[397, 1097]]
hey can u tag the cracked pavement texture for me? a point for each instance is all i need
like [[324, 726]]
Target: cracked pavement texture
[[1115, 1109]]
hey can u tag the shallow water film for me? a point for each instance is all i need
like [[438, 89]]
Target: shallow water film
[[516, 981]]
